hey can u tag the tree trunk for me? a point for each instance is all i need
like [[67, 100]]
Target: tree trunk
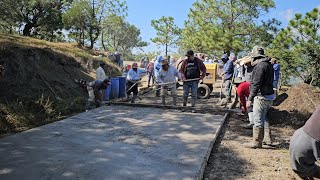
[[102, 41], [166, 50], [27, 29]]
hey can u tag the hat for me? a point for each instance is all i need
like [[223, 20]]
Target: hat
[[134, 65], [102, 63], [257, 50], [273, 60], [190, 53], [244, 60], [164, 62]]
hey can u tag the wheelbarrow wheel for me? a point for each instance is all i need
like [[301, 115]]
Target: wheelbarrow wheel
[[203, 91]]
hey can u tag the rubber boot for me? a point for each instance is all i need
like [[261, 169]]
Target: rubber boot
[[193, 101], [185, 99], [174, 101], [163, 100], [258, 134], [128, 97], [133, 100], [267, 134]]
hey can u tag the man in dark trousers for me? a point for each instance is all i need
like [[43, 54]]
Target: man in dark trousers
[[262, 96], [305, 148], [192, 70]]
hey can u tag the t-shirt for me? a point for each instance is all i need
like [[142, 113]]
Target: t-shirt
[[192, 70]]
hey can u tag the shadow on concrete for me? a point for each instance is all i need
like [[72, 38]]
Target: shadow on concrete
[[112, 143]]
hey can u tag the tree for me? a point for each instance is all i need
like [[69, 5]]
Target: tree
[[167, 32], [86, 17], [76, 19], [223, 24], [119, 35], [298, 47], [32, 16]]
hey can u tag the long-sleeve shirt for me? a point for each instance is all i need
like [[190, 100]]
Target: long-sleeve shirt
[[243, 92], [184, 65], [157, 66], [168, 76], [150, 67], [100, 74], [134, 76], [312, 126], [228, 70], [276, 68]]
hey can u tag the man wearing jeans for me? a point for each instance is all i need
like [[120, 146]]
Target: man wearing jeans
[[168, 74], [262, 96], [192, 70]]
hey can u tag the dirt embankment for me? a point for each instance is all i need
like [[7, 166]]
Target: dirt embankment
[[293, 107], [38, 86]]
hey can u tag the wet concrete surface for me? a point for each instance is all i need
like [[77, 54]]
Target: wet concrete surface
[[113, 142]]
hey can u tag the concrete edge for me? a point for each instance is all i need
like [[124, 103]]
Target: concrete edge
[[207, 156], [186, 109]]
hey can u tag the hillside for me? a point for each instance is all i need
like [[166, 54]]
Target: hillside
[[38, 85]]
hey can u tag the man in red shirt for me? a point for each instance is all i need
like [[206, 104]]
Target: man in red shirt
[[243, 92]]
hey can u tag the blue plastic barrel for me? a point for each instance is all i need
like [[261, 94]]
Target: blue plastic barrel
[[122, 87], [106, 96], [114, 88]]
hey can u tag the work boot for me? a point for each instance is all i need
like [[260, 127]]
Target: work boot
[[229, 100], [185, 100], [257, 138], [193, 102], [174, 101], [128, 98], [248, 126], [163, 100], [222, 102], [133, 100], [267, 140]]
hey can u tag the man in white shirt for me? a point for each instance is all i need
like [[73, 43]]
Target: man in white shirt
[[133, 77], [100, 73], [168, 74]]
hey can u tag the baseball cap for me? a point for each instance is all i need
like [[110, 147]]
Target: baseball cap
[[165, 61], [190, 53]]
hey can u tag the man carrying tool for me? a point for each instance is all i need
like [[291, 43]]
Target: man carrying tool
[[228, 69], [133, 78], [95, 91], [192, 70], [305, 148], [262, 96], [167, 76]]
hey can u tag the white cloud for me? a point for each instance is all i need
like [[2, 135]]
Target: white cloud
[[287, 14]]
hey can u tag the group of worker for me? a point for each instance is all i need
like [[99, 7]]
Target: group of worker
[[257, 93], [166, 76]]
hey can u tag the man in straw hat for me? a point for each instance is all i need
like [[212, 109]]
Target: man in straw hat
[[168, 76]]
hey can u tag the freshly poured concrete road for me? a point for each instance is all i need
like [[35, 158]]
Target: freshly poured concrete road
[[115, 142]]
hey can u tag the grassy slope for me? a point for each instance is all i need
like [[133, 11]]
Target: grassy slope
[[35, 109]]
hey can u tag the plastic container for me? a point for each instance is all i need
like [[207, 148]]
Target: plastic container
[[106, 96], [122, 87], [114, 94]]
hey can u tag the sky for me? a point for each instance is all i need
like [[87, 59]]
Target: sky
[[141, 12]]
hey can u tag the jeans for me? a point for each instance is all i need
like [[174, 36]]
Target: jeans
[[260, 109], [150, 76], [194, 89], [173, 90], [275, 84], [227, 90]]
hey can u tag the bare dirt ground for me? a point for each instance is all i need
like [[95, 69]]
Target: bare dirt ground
[[230, 159]]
